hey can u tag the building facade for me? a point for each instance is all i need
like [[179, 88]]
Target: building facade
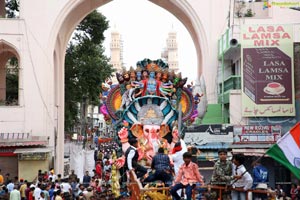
[[116, 52], [170, 53], [255, 129]]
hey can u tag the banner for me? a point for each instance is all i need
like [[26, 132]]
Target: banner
[[267, 70], [287, 150]]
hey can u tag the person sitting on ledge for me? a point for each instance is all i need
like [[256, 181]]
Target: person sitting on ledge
[[162, 166], [187, 177]]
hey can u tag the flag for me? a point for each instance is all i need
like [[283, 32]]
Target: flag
[[287, 150]]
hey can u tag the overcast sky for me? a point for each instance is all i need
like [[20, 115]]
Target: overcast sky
[[144, 27]]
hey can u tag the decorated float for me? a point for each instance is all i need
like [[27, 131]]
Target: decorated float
[[152, 104]]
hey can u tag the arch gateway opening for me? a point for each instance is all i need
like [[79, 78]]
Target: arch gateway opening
[[67, 20]]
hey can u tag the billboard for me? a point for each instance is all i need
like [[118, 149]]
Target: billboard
[[267, 70]]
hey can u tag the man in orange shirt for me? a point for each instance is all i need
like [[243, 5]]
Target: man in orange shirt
[[1, 178], [187, 177]]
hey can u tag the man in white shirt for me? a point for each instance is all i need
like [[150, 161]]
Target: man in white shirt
[[37, 191], [131, 162], [242, 179], [10, 186], [177, 155], [65, 187], [15, 194]]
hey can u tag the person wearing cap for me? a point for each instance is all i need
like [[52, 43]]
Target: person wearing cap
[[52, 176], [131, 161], [222, 173], [188, 176]]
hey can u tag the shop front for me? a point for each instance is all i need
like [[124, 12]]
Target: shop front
[[15, 157], [30, 160]]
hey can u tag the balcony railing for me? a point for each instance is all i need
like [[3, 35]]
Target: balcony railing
[[231, 83]]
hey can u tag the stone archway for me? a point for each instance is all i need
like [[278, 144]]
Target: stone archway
[[67, 20]]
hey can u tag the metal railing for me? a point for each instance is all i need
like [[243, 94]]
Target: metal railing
[[138, 192]]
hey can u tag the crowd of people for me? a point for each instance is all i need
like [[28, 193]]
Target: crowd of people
[[50, 186], [175, 170]]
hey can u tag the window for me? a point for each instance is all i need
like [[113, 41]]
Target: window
[[9, 75], [236, 68], [12, 82]]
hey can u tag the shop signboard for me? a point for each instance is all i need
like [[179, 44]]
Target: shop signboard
[[267, 77], [33, 156], [256, 134], [204, 134]]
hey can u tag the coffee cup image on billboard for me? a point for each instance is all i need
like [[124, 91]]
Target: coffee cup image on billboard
[[274, 88]]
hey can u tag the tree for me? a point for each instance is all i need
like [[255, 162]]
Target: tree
[[12, 8], [85, 66]]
